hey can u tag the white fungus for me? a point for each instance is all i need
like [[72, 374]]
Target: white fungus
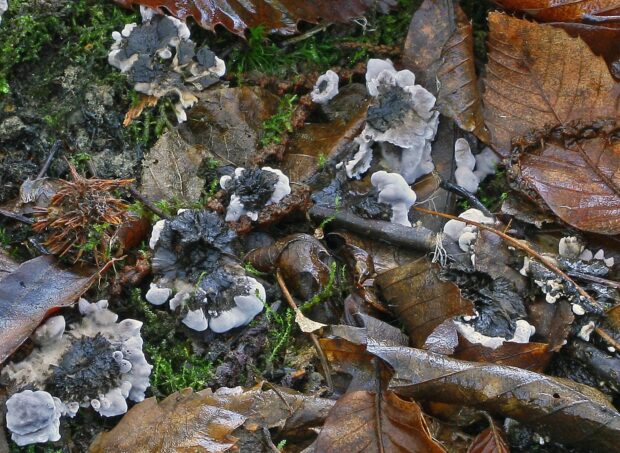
[[586, 331], [394, 190], [156, 232], [522, 334], [600, 255], [465, 164], [570, 247], [401, 119], [253, 189], [325, 88], [578, 309], [247, 306], [196, 320], [4, 5], [160, 59], [486, 163], [33, 417], [98, 358], [158, 296], [454, 228]]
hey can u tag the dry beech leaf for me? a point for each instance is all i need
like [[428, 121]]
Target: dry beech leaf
[[548, 404], [203, 421], [579, 182], [562, 10], [491, 440], [420, 299], [275, 15], [529, 356], [538, 75], [135, 111], [28, 294], [440, 49], [375, 422]]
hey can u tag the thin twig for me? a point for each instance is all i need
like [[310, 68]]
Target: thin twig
[[593, 278], [315, 340], [16, 216], [46, 165], [146, 202], [313, 31], [462, 192], [608, 338], [269, 441], [520, 245]]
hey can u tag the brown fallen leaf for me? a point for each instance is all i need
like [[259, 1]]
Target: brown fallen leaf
[[579, 182], [30, 292], [563, 10], [276, 16], [203, 421], [439, 49], [491, 440], [381, 422], [552, 321], [135, 110], [529, 356], [421, 299], [548, 404], [537, 75]]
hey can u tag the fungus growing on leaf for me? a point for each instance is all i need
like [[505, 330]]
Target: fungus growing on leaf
[[401, 119], [160, 59], [394, 190], [252, 189], [97, 363], [325, 88]]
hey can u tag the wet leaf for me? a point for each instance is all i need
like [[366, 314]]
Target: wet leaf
[[375, 422], [203, 421], [30, 292], [420, 299], [538, 75], [304, 263], [562, 10], [579, 182], [548, 404], [552, 321], [439, 49], [491, 440], [529, 356], [276, 16], [7, 264]]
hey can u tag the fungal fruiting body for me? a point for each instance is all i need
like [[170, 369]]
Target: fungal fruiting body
[[394, 190], [325, 88], [401, 119], [198, 276], [97, 362], [470, 169], [33, 417], [253, 189], [159, 58]]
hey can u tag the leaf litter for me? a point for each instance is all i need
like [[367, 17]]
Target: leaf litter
[[316, 279]]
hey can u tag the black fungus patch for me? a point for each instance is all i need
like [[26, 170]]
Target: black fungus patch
[[323, 85], [86, 370], [371, 208], [389, 109], [254, 187], [192, 244]]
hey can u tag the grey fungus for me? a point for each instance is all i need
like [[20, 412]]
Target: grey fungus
[[402, 120], [325, 88], [253, 189], [159, 59], [472, 170], [33, 417], [394, 190], [194, 263], [96, 363]]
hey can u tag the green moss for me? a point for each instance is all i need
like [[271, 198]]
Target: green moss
[[279, 122], [279, 333], [327, 292]]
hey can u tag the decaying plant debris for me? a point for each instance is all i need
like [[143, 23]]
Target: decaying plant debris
[[386, 226]]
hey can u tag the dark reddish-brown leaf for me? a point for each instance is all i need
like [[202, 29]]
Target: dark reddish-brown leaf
[[579, 182], [276, 16], [440, 50], [562, 10], [420, 299], [30, 292], [375, 422], [491, 440], [529, 356], [538, 75]]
